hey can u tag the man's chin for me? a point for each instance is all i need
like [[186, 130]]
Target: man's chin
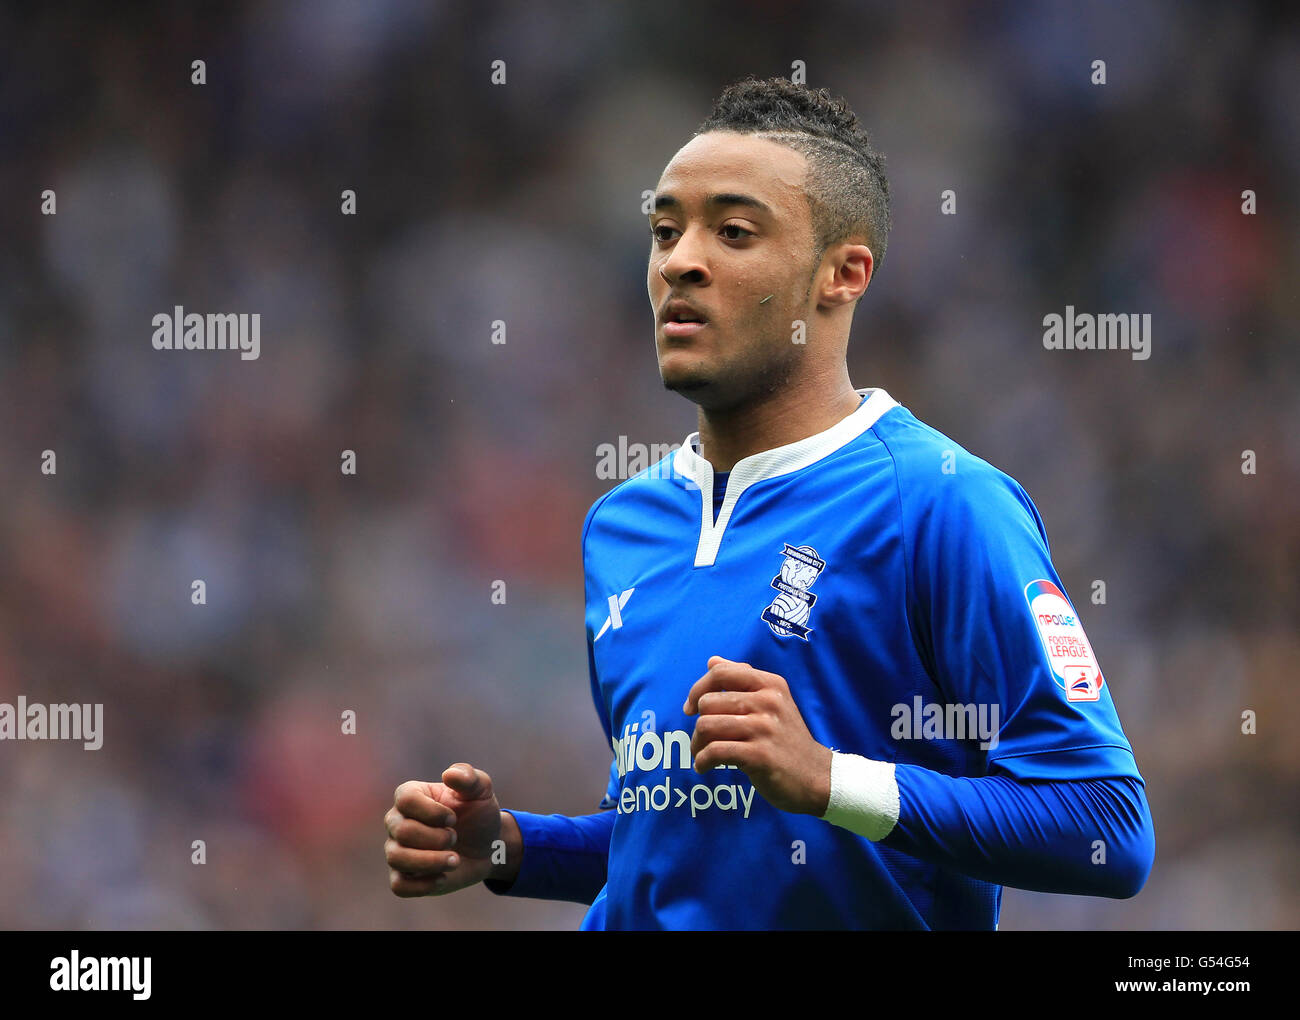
[[683, 379], [685, 384]]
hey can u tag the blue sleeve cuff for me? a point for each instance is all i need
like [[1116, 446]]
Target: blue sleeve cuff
[[565, 858]]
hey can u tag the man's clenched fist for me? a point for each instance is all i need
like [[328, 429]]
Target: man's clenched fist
[[441, 836], [748, 718]]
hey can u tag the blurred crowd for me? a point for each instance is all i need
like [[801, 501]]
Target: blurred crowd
[[329, 593]]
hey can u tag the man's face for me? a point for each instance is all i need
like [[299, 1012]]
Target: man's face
[[731, 225]]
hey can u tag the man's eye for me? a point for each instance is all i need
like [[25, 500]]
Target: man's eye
[[657, 236]]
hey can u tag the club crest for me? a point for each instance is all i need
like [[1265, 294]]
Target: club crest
[[789, 611]]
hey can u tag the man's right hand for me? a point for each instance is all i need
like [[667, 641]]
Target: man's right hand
[[441, 836]]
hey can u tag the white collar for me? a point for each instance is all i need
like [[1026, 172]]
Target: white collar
[[779, 460]]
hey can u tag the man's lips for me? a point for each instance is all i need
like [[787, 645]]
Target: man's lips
[[683, 329], [680, 312]]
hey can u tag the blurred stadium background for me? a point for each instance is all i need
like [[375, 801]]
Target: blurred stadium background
[[476, 461]]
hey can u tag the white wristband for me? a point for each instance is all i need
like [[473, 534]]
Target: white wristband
[[864, 795]]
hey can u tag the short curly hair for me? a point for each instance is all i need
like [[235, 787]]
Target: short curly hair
[[846, 187]]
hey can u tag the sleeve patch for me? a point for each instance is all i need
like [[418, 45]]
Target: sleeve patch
[[1074, 667]]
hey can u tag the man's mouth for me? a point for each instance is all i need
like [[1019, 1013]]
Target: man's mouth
[[681, 319], [682, 328]]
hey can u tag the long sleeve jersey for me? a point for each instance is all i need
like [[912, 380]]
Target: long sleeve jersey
[[904, 589]]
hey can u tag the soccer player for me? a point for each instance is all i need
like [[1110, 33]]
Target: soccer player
[[840, 676]]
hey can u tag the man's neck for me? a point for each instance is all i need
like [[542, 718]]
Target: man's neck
[[728, 437]]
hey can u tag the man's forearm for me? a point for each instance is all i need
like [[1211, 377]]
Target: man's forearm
[[505, 872], [1087, 836], [553, 857]]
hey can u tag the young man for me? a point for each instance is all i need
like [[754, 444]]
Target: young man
[[899, 711]]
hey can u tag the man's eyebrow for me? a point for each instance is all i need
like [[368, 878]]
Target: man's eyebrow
[[725, 198]]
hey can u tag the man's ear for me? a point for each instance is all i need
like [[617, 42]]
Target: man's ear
[[862, 262], [852, 264]]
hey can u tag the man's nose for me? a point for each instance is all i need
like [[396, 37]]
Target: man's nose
[[686, 260]]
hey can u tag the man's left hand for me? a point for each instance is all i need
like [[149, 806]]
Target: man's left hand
[[748, 718]]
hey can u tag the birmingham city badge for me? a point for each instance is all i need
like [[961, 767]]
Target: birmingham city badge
[[789, 611]]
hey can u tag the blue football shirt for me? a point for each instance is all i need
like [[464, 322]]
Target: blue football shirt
[[882, 570]]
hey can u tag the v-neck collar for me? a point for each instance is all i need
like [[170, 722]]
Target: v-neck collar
[[780, 460]]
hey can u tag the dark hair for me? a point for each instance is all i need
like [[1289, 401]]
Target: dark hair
[[846, 187]]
